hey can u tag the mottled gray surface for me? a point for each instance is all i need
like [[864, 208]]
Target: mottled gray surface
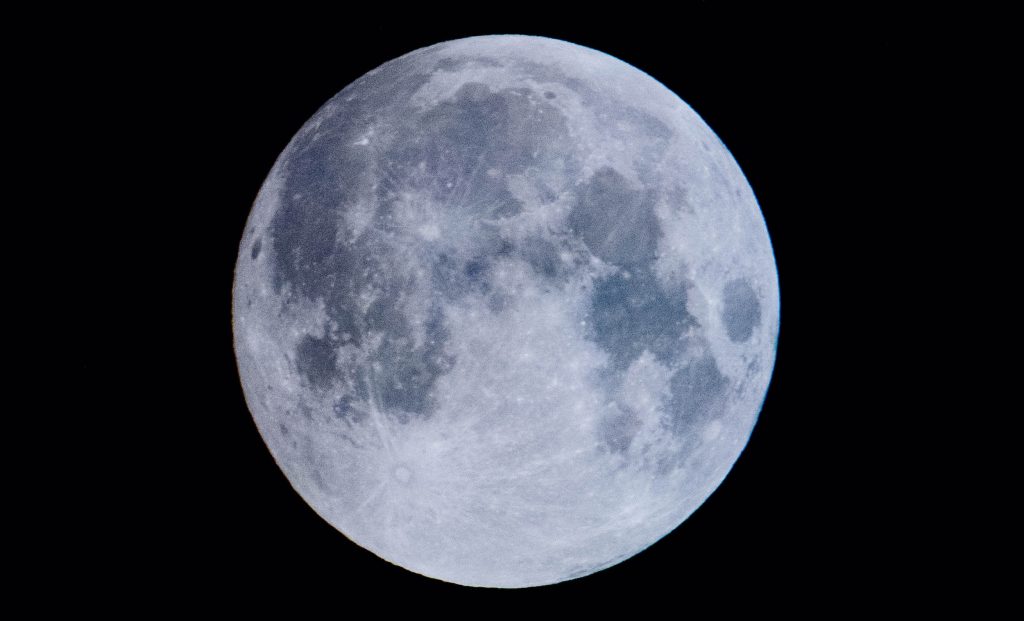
[[505, 311]]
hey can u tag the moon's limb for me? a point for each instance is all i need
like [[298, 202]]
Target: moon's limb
[[505, 311]]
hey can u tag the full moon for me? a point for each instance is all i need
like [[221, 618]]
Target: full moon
[[505, 311]]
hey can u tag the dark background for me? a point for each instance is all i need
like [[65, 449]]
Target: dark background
[[204, 106]]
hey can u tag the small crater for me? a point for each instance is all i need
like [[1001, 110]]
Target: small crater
[[346, 409], [712, 431], [456, 279], [475, 269], [402, 474], [549, 95]]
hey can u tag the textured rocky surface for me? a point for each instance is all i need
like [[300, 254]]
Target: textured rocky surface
[[505, 311]]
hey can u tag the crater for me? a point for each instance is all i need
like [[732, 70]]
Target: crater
[[630, 313], [256, 246], [741, 311], [615, 220], [402, 473], [347, 408]]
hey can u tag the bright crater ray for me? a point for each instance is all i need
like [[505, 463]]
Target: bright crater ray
[[505, 311]]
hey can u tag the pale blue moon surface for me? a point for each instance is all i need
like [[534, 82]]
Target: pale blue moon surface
[[505, 311]]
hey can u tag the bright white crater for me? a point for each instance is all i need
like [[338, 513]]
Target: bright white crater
[[505, 311]]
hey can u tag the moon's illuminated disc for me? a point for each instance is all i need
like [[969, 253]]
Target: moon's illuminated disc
[[505, 311]]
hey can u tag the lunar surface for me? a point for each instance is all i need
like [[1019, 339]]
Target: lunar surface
[[505, 311]]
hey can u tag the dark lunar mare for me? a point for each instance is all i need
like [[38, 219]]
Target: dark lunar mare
[[616, 221], [407, 371], [316, 360], [630, 313], [442, 153], [741, 312], [324, 175], [697, 395]]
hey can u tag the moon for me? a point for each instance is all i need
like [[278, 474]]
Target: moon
[[505, 311]]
